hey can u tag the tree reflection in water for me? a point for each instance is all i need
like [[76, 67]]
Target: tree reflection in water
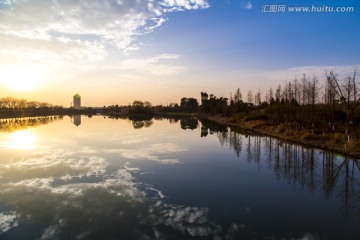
[[141, 121], [141, 124], [189, 123], [185, 122], [74, 193], [308, 168], [13, 124]]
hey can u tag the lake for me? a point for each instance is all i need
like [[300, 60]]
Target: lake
[[100, 178]]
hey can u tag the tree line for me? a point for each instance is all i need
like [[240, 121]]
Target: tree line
[[187, 105], [305, 102], [14, 104], [13, 108]]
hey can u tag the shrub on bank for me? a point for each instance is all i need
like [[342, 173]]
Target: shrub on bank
[[238, 117], [257, 116], [338, 138], [307, 136]]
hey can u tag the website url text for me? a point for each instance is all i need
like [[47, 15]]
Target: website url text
[[310, 9]]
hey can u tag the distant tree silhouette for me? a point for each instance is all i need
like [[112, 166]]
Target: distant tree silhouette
[[139, 107], [189, 104]]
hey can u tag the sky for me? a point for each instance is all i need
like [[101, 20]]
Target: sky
[[118, 51]]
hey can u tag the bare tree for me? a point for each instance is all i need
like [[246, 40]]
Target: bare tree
[[258, 98], [237, 96], [296, 96], [269, 95], [250, 96], [313, 94], [346, 91]]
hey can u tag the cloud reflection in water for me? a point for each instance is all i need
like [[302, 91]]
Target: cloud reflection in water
[[78, 195], [152, 152], [94, 189], [8, 220]]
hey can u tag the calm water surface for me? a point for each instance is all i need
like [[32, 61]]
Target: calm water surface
[[100, 178]]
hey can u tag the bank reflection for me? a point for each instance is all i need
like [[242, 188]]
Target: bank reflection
[[14, 124], [189, 123], [299, 166], [144, 121], [139, 122], [17, 132], [76, 120], [100, 191]]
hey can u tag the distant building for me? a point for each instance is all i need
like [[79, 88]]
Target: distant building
[[77, 101]]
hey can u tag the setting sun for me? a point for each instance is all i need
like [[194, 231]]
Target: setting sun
[[22, 77]]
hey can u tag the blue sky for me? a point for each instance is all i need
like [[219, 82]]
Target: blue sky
[[116, 51]]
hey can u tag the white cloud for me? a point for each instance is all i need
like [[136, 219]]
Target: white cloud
[[178, 5], [248, 5], [72, 38], [94, 23], [154, 65], [319, 71]]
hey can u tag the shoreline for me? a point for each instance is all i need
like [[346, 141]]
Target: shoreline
[[349, 149], [38, 112], [333, 142]]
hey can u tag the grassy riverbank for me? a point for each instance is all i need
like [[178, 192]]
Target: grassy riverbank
[[332, 141]]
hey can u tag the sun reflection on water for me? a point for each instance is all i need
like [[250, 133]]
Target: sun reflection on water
[[23, 139]]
